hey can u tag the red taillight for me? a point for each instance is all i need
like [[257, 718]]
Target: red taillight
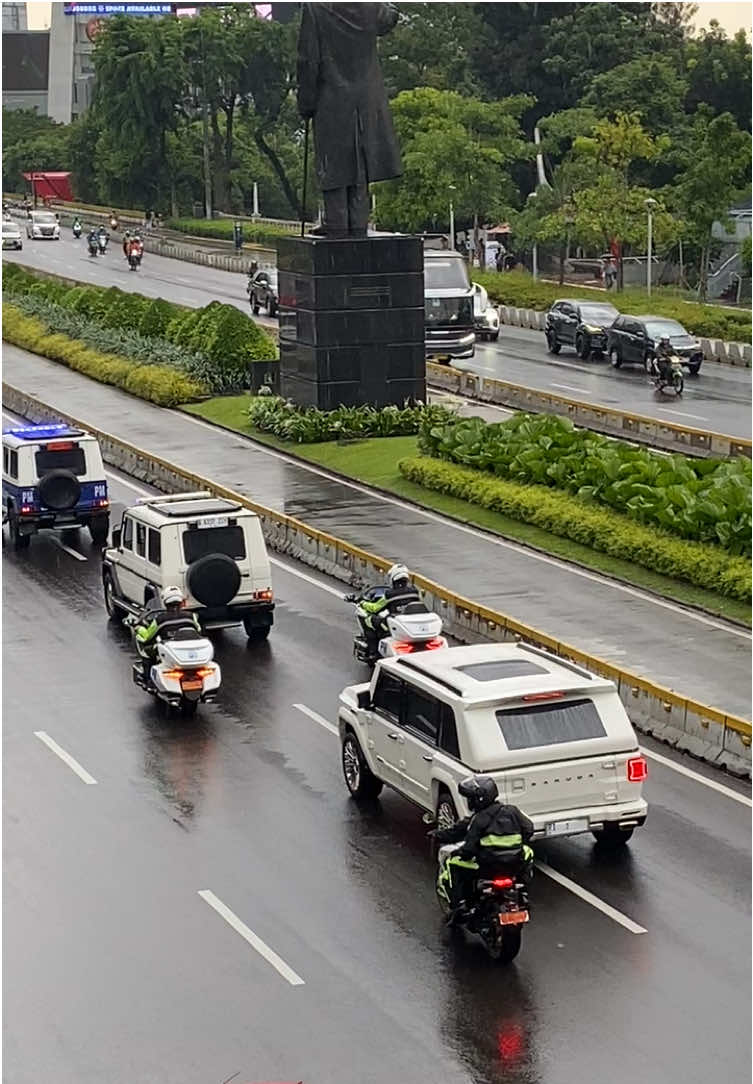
[[432, 645], [403, 649], [265, 596], [60, 446], [637, 769], [103, 504], [543, 696], [26, 510], [503, 882]]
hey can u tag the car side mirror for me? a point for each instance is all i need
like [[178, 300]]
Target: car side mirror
[[364, 699], [116, 535]]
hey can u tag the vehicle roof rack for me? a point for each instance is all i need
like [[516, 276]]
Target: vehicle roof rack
[[412, 665], [163, 498], [579, 670]]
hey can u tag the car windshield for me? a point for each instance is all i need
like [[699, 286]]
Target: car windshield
[[10, 227], [657, 328], [599, 314], [446, 274], [44, 218]]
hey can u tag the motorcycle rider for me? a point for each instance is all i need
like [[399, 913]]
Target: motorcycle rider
[[77, 227], [495, 837], [399, 589], [103, 237], [126, 242], [135, 246], [92, 239], [664, 354], [159, 615]]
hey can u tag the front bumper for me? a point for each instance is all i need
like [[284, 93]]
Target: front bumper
[[441, 345]]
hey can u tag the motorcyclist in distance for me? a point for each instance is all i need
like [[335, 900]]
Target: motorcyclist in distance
[[77, 227], [495, 840], [399, 590], [126, 241], [160, 615], [664, 354]]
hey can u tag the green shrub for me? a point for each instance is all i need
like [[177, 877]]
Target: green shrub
[[163, 386], [155, 319], [519, 289], [707, 500], [222, 230], [601, 529], [310, 426]]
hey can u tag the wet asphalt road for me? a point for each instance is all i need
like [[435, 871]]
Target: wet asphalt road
[[699, 656], [116, 969], [718, 400]]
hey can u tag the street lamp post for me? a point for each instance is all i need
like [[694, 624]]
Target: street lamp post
[[649, 205], [535, 254], [452, 217]]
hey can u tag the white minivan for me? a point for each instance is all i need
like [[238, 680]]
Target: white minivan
[[555, 738]]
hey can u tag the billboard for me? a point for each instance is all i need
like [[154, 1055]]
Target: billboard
[[26, 56], [118, 9]]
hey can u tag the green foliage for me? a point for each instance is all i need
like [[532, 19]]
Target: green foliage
[[602, 529], [519, 289], [155, 318], [702, 500], [222, 230], [292, 423], [31, 142], [160, 385], [745, 256]]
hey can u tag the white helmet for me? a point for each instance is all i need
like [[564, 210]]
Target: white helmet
[[171, 595], [398, 575]]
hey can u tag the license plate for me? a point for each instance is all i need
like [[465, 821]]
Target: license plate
[[513, 918], [213, 521], [566, 828], [191, 685]]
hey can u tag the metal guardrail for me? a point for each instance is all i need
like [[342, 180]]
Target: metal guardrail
[[705, 731]]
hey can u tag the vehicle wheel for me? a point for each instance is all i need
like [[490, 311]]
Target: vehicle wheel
[[271, 307], [188, 708], [359, 779], [59, 489], [678, 383], [583, 347], [553, 345], [114, 611], [694, 368], [256, 633], [615, 357], [506, 945], [494, 336], [612, 837], [20, 541], [447, 814], [254, 305], [214, 579], [99, 529]]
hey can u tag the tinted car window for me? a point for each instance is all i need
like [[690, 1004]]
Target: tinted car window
[[13, 463], [448, 734], [228, 540], [421, 713], [387, 696], [449, 274], [141, 540], [67, 456], [126, 538], [634, 327], [549, 724], [155, 547]]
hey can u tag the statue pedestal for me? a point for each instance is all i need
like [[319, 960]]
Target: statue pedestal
[[351, 320]]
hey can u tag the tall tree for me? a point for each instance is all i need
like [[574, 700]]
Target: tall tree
[[432, 46], [719, 70]]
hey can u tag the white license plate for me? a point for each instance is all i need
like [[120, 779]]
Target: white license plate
[[566, 828], [213, 521]]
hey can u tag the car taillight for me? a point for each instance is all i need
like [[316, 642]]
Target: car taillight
[[26, 510], [103, 504], [503, 882], [265, 596], [543, 696], [637, 769], [403, 649], [432, 645]]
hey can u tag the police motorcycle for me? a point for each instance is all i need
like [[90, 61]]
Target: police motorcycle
[[184, 673], [102, 239], [77, 228], [410, 628]]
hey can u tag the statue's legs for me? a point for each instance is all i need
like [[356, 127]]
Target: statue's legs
[[346, 211]]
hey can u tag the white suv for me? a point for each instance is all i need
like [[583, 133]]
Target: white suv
[[555, 738], [43, 225], [213, 549]]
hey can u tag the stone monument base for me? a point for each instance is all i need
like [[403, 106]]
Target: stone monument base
[[351, 320]]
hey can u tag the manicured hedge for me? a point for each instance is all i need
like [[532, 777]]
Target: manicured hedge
[[157, 383], [704, 500], [518, 289], [602, 529], [222, 230], [311, 426]]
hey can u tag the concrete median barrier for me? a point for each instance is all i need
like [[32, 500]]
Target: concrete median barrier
[[700, 729]]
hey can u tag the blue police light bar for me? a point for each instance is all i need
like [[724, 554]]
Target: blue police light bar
[[43, 432]]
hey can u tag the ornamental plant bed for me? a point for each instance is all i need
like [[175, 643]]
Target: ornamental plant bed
[[274, 415], [221, 229]]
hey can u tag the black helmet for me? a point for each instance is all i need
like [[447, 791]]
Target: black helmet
[[479, 791]]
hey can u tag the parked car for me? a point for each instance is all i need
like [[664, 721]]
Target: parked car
[[11, 234], [485, 316], [448, 306], [632, 340], [43, 225], [580, 324], [212, 548], [262, 291], [555, 738]]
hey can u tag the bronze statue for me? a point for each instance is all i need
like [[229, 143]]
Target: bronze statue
[[340, 85]]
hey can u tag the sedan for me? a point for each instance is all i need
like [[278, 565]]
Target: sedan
[[11, 235], [262, 291], [633, 340], [580, 324]]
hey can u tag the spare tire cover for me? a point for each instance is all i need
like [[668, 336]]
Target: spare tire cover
[[214, 579], [59, 489]]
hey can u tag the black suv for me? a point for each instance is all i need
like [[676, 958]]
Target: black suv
[[580, 324], [633, 340]]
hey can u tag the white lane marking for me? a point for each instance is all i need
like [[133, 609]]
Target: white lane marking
[[571, 387], [496, 541], [254, 941], [66, 757], [728, 792], [131, 485], [62, 546], [571, 886], [682, 414], [318, 718]]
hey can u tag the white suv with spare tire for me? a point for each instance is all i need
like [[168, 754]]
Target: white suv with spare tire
[[212, 548]]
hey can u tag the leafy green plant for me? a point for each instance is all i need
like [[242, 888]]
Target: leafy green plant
[[705, 500], [602, 529], [222, 230], [311, 426]]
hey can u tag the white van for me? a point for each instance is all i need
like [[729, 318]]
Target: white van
[[555, 738]]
